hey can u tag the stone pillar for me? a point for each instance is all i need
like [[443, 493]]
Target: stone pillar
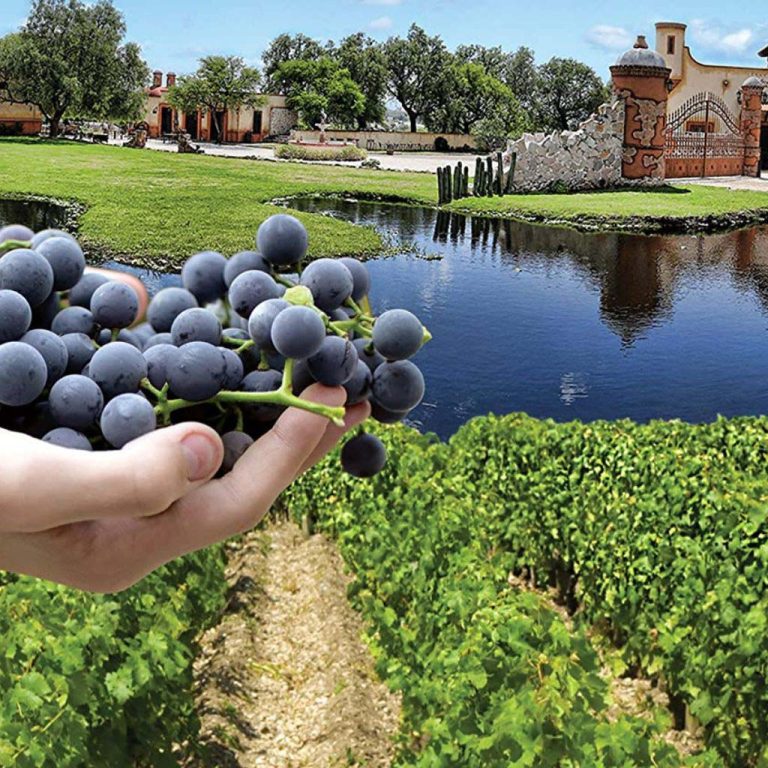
[[751, 119], [640, 78]]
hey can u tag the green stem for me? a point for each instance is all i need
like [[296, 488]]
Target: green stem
[[12, 245]]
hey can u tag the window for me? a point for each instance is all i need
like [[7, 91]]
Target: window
[[671, 45], [697, 126], [257, 115]]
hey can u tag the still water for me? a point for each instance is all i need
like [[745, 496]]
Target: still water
[[565, 325]]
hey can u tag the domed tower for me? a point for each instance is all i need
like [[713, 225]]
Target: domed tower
[[640, 79], [670, 43]]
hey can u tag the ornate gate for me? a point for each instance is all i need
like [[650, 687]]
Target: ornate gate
[[703, 138]]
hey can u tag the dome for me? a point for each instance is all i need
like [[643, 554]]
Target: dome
[[641, 56], [753, 82]]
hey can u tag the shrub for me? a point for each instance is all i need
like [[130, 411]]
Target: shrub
[[349, 153]]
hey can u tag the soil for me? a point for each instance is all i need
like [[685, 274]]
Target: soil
[[286, 680]]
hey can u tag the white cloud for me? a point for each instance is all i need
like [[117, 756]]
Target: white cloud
[[382, 2], [610, 38], [712, 37], [383, 22]]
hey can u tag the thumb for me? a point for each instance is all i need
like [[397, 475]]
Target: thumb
[[54, 486]]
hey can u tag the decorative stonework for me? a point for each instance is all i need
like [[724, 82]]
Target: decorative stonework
[[648, 112]]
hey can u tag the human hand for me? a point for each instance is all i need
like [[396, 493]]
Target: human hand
[[102, 521]]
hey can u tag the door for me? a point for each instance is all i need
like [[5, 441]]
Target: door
[[166, 120], [764, 147], [218, 126], [191, 125], [257, 122]]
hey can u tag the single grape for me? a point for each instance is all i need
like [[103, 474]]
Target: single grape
[[66, 259], [74, 320], [53, 350], [129, 337], [23, 374], [234, 369], [80, 350], [363, 456], [45, 234], [250, 289], [15, 316], [329, 281], [334, 363], [383, 416], [243, 262], [118, 368], [262, 381], [158, 338], [261, 320], [235, 333], [127, 418], [235, 446], [360, 277], [81, 293], [398, 334], [368, 354], [68, 438], [115, 305], [167, 305], [196, 325], [16, 232], [298, 332], [398, 386], [76, 402], [282, 240], [197, 372], [251, 357], [203, 276], [44, 314], [159, 357], [28, 273], [358, 386]]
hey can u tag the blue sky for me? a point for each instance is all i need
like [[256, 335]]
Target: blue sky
[[175, 33]]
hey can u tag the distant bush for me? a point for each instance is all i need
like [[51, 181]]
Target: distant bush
[[349, 153], [373, 163]]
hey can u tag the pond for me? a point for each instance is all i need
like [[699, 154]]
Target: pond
[[562, 324], [35, 214]]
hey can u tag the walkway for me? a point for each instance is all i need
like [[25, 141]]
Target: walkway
[[730, 182]]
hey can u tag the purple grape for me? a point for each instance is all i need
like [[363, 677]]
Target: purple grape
[[74, 320], [261, 320], [80, 350], [358, 386], [118, 368], [298, 332], [28, 273], [68, 438], [159, 357], [23, 374], [398, 334], [115, 305], [262, 381], [53, 350], [158, 338], [15, 316], [76, 402], [66, 259], [196, 325], [16, 232], [167, 305], [282, 240], [360, 277], [363, 456], [243, 262], [368, 354], [234, 369], [235, 446], [398, 386], [203, 276], [250, 289], [81, 293], [197, 372], [46, 234], [329, 281], [127, 418], [334, 363]]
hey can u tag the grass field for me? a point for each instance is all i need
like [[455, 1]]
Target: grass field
[[167, 206], [162, 207], [672, 202]]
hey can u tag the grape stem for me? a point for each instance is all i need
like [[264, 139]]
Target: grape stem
[[12, 245]]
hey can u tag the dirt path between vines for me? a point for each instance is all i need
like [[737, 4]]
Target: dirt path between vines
[[286, 681]]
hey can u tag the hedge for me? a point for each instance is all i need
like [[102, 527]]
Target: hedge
[[349, 153]]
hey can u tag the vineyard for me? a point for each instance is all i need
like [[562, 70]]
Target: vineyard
[[652, 536]]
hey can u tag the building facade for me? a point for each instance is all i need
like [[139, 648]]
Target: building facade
[[20, 119], [245, 125], [690, 78]]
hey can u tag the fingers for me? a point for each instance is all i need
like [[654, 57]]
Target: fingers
[[44, 486], [226, 507]]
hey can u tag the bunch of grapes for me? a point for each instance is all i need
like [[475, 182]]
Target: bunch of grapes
[[233, 348]]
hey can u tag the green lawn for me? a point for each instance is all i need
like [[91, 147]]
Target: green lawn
[[167, 206], [163, 206], [673, 201]]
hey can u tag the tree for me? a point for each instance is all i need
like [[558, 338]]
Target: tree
[[474, 95], [416, 67], [321, 86], [567, 92], [69, 59], [221, 83], [287, 48], [363, 58]]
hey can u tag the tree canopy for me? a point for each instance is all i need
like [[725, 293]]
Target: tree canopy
[[364, 59], [221, 83], [287, 48], [71, 59]]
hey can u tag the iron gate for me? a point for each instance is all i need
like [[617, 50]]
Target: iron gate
[[703, 138]]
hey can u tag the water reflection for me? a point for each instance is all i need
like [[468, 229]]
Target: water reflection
[[35, 214], [564, 324]]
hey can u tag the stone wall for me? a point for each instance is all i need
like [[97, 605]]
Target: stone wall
[[587, 158], [400, 141]]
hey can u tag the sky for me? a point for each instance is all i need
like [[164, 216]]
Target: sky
[[175, 33]]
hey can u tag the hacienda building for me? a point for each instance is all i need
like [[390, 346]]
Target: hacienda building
[[19, 120], [690, 82], [245, 125]]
